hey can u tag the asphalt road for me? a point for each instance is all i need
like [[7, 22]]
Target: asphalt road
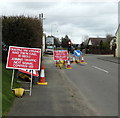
[[98, 82], [59, 98], [89, 90]]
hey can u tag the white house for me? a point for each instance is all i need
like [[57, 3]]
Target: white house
[[118, 42]]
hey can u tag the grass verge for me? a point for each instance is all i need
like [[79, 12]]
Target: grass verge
[[7, 94]]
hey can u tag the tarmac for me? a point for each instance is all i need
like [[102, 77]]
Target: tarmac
[[59, 98], [109, 58]]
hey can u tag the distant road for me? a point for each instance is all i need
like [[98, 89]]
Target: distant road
[[98, 82]]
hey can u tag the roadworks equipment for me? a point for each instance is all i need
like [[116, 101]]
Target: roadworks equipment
[[74, 62], [65, 62], [82, 61], [57, 63], [24, 77], [19, 92], [77, 61], [61, 64], [42, 77], [68, 65]]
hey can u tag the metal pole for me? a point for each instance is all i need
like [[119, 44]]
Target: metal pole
[[12, 79], [31, 84]]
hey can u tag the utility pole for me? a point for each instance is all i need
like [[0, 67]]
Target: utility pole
[[41, 18]]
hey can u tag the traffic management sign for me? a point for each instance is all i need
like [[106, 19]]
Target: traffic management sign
[[23, 58], [77, 53], [61, 55]]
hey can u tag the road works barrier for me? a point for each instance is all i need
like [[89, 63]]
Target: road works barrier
[[42, 77]]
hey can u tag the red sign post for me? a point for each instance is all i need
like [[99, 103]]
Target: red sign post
[[23, 58], [61, 55]]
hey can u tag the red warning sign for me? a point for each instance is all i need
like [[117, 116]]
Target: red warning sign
[[61, 55], [23, 58]]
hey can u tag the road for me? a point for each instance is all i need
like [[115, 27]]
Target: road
[[89, 90], [98, 82]]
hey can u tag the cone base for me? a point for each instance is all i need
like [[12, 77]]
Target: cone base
[[68, 68], [74, 62], [77, 61], [83, 63], [42, 83]]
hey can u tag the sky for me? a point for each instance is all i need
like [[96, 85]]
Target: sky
[[79, 19]]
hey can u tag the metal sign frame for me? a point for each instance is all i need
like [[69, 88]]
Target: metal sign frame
[[12, 81]]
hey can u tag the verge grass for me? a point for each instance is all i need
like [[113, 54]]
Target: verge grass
[[7, 94]]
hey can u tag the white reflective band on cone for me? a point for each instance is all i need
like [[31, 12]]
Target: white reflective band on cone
[[42, 73]]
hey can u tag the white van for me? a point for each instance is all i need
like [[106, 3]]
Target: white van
[[49, 50]]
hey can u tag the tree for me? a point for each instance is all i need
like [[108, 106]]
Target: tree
[[65, 41], [56, 42]]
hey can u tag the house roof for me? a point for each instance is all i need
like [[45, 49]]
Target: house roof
[[96, 41], [85, 43]]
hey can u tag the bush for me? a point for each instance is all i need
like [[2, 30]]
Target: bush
[[21, 31]]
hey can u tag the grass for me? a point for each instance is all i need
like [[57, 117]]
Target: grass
[[7, 94]]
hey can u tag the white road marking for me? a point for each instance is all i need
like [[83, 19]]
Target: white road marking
[[100, 69]]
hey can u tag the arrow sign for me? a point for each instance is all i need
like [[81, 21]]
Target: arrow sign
[[77, 53]]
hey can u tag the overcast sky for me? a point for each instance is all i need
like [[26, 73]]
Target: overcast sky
[[77, 18]]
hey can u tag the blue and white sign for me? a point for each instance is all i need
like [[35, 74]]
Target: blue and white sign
[[77, 53]]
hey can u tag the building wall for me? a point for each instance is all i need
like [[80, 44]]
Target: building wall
[[118, 43]]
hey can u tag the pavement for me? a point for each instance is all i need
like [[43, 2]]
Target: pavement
[[59, 98], [109, 58]]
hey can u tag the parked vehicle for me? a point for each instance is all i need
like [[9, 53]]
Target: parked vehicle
[[49, 50]]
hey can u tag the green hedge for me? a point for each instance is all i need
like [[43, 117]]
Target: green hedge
[[21, 31]]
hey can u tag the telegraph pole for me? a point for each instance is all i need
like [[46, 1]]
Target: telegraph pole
[[41, 18]]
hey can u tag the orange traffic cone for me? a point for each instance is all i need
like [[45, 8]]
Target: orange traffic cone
[[42, 77], [82, 60], [68, 65], [74, 60]]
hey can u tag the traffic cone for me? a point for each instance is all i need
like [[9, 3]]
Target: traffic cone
[[68, 65], [65, 62], [57, 63], [82, 60], [71, 59], [74, 62], [42, 77]]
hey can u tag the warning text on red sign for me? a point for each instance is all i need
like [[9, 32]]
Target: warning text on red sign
[[61, 55], [23, 58]]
